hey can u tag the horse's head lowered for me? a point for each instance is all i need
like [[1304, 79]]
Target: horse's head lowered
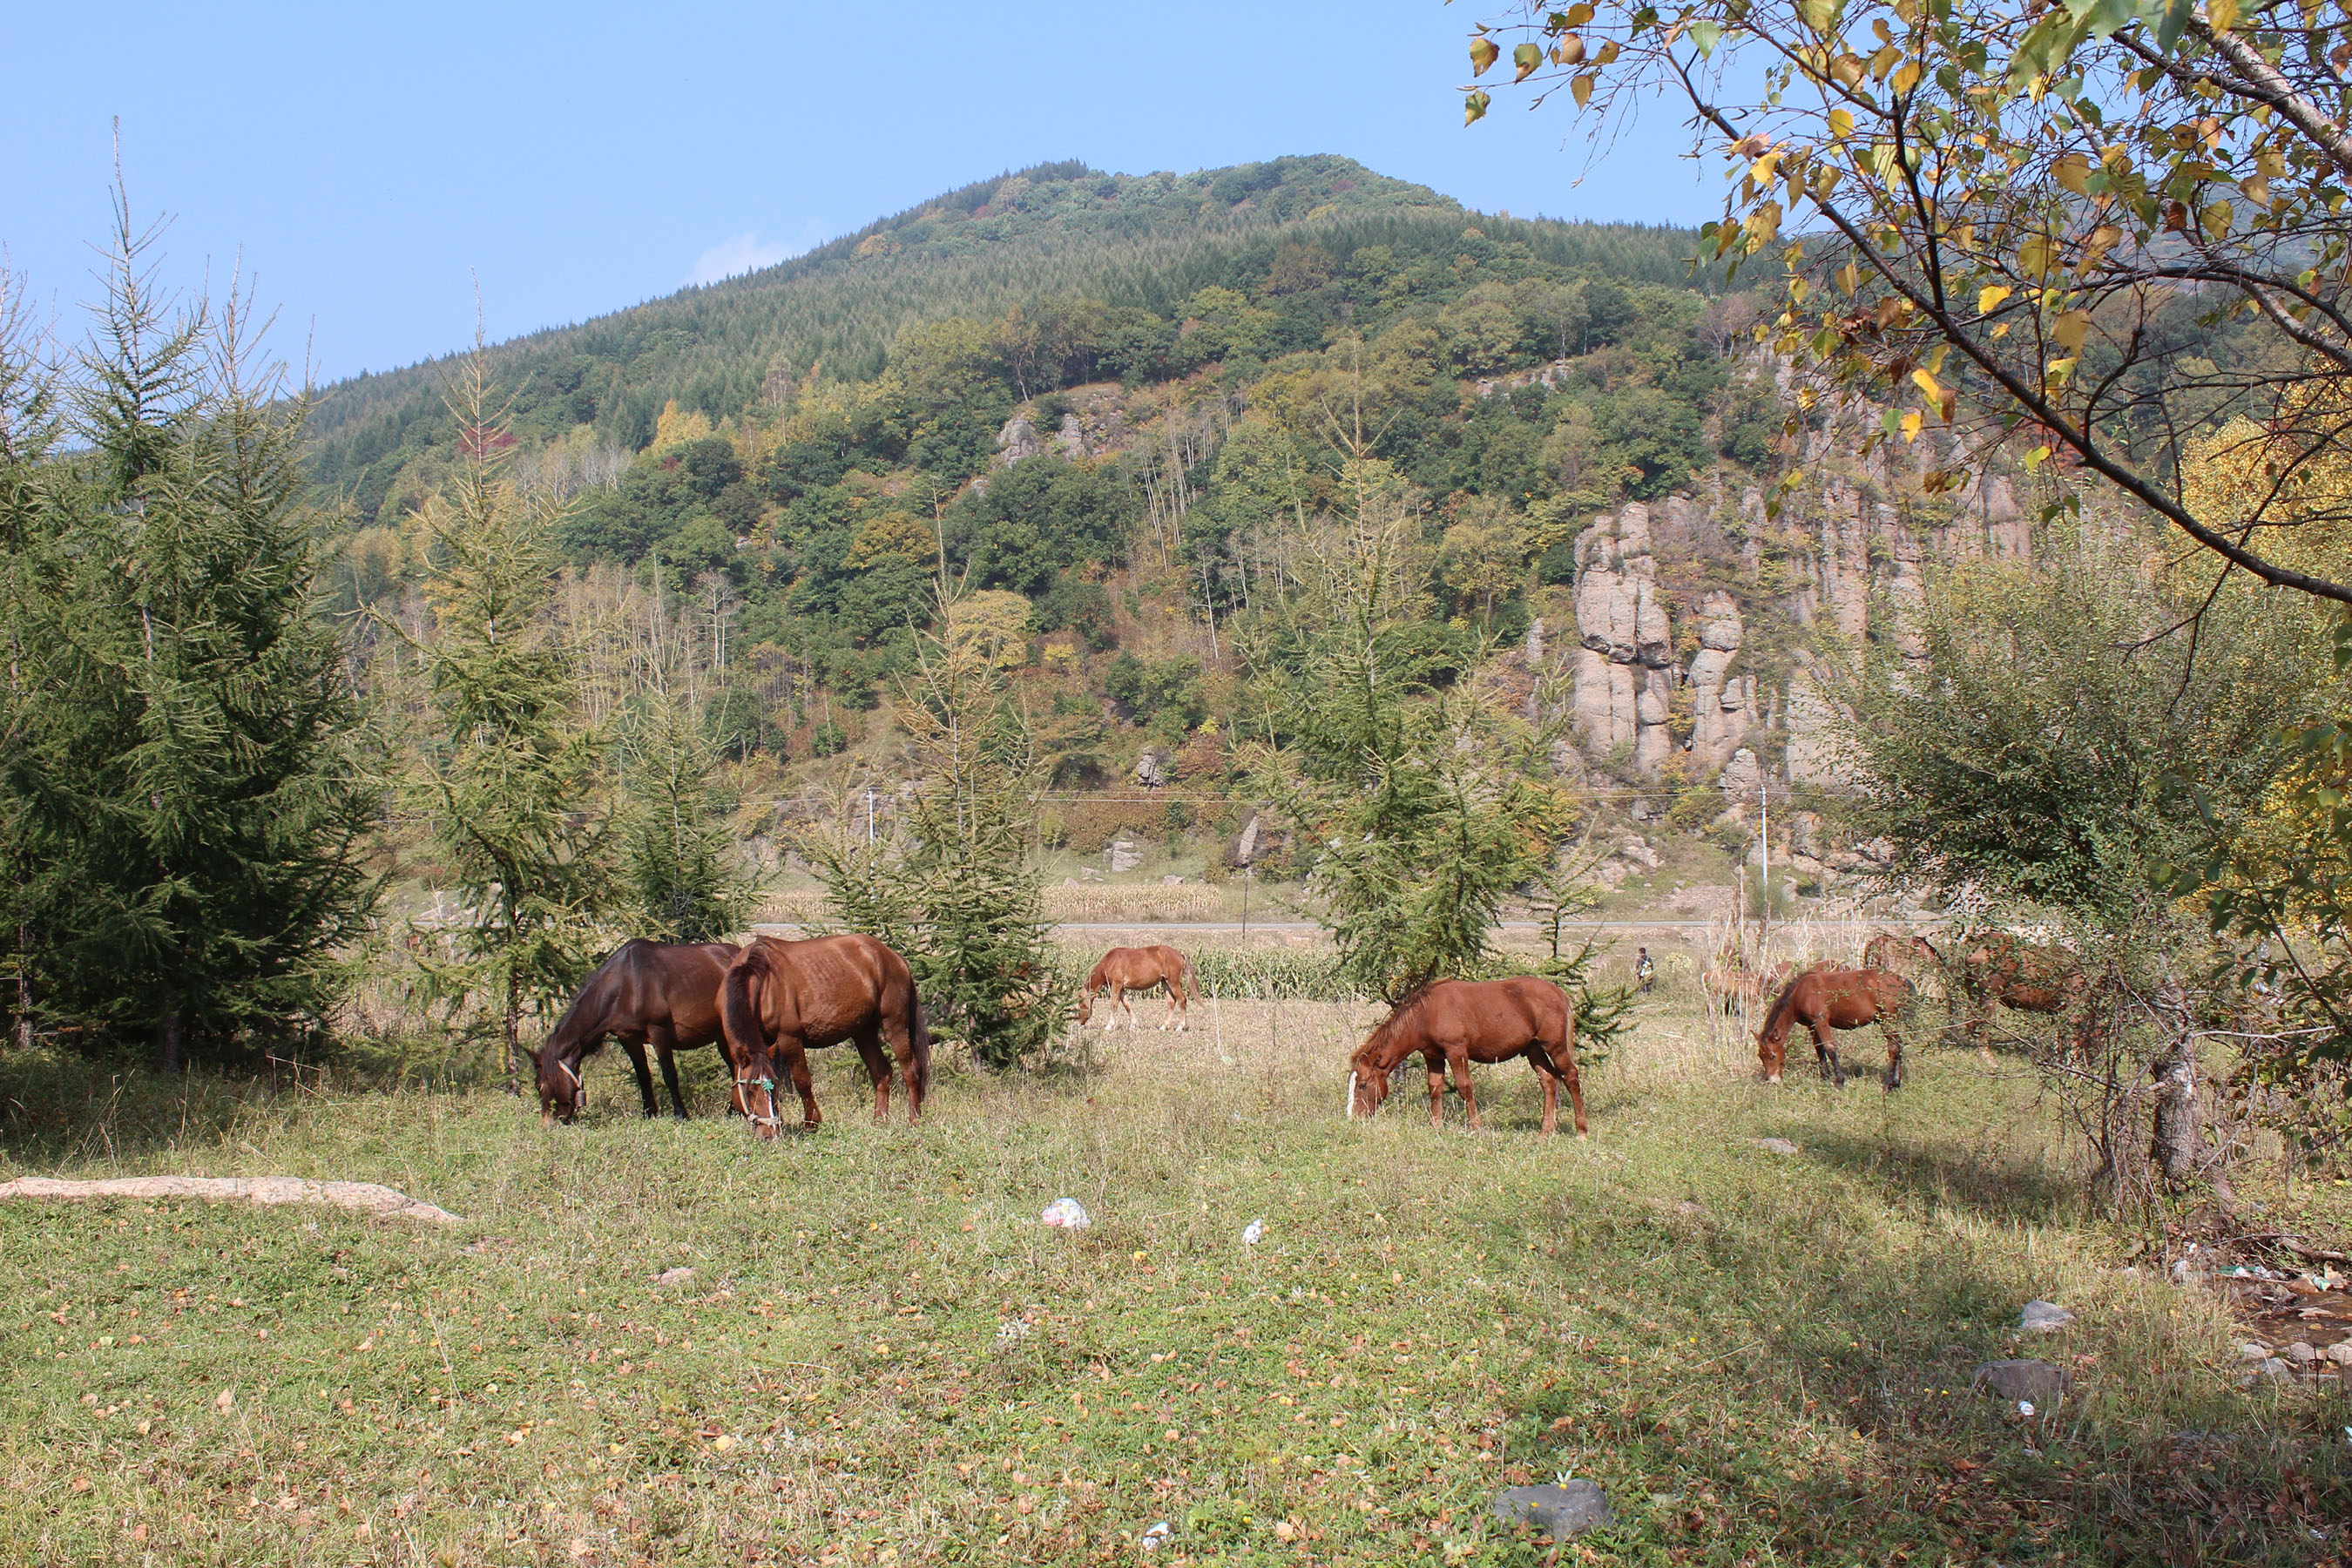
[[1367, 1074], [561, 1096], [1086, 1008], [755, 1093]]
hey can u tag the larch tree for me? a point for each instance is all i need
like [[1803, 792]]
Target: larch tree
[[508, 771]]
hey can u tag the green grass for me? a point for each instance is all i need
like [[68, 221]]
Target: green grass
[[882, 1357]]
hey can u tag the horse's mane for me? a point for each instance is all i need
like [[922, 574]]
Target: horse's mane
[[1783, 1005], [591, 995]]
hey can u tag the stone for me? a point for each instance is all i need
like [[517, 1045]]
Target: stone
[[2274, 1367], [674, 1275], [1742, 776], [2036, 1381], [1155, 769], [1017, 440], [2044, 1318], [2301, 1352], [1123, 855], [1776, 1146], [2340, 1353], [2253, 1350], [1558, 1512]]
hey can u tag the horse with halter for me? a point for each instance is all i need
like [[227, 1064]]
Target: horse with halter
[[1453, 1023], [783, 999], [1826, 999], [653, 994], [1126, 969]]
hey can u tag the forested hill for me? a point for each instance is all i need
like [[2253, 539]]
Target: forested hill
[[1145, 244]]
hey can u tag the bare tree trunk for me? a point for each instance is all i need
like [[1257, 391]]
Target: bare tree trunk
[[2178, 1142], [514, 1013], [172, 1044], [24, 988]]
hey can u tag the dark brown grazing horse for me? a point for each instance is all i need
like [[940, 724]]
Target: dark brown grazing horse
[[1826, 999], [1456, 1022], [647, 994], [785, 999], [1126, 969]]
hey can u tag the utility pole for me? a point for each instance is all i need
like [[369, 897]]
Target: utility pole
[[869, 816], [1764, 850]]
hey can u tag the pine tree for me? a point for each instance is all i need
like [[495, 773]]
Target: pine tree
[[189, 799], [957, 886], [509, 769]]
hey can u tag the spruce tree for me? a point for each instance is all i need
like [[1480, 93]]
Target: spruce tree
[[957, 886], [188, 796], [508, 768], [685, 881]]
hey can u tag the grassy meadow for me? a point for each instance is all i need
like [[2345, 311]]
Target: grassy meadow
[[881, 1357]]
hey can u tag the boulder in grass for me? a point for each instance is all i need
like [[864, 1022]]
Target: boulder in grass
[[1558, 1511], [2044, 1318], [2037, 1381]]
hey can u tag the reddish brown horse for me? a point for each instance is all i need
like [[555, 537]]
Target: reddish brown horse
[[1126, 969], [1995, 966], [1896, 953], [647, 994], [785, 999], [1826, 999], [1456, 1022]]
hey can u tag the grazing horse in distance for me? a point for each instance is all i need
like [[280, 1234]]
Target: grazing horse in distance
[[2017, 974], [1894, 953], [1453, 1023], [1126, 969], [1826, 999], [785, 999], [1728, 986], [653, 994]]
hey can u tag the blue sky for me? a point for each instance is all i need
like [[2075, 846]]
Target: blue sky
[[365, 164]]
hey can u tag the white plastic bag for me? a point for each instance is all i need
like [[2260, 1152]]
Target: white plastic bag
[[1064, 1214]]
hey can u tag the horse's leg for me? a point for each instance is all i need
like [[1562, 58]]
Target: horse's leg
[[794, 1060], [1550, 1089], [878, 1070], [1825, 1052], [1182, 1002], [644, 1076], [1460, 1061], [1894, 1056], [1437, 1069], [665, 1048], [1563, 1068]]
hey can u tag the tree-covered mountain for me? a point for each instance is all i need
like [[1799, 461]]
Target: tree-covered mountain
[[1126, 412]]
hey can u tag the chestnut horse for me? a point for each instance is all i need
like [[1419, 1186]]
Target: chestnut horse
[[647, 994], [2025, 976], [1126, 969], [1826, 999], [1453, 1023], [783, 999], [1894, 953]]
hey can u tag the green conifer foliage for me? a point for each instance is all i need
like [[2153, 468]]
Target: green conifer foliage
[[508, 768], [187, 793], [956, 886]]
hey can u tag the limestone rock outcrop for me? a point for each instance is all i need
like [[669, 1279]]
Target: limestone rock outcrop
[[1624, 678]]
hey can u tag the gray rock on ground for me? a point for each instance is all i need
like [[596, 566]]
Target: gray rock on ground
[[1560, 1512], [2044, 1318], [1776, 1145], [2340, 1353], [2301, 1352], [2014, 1380]]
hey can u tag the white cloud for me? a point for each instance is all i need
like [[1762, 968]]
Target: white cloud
[[748, 253]]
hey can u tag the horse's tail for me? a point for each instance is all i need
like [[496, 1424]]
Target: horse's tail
[[1191, 980], [918, 1044], [740, 995]]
